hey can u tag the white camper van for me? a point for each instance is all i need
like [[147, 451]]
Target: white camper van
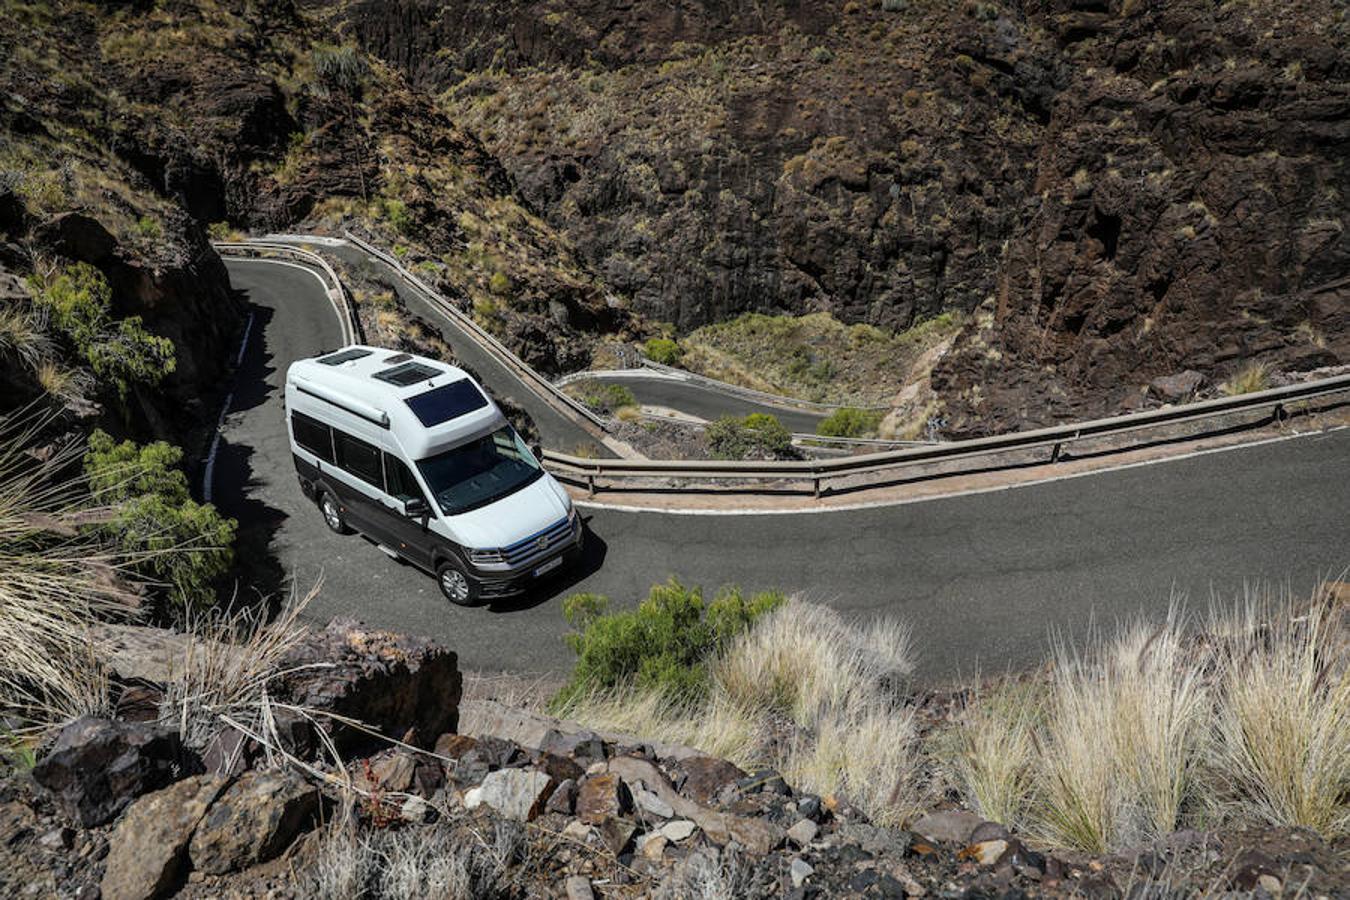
[[412, 453]]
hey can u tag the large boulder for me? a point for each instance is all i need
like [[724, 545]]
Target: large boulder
[[402, 686], [97, 767], [147, 855], [253, 821]]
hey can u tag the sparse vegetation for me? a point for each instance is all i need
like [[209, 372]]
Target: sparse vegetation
[[815, 357], [1248, 380], [758, 435], [606, 398]]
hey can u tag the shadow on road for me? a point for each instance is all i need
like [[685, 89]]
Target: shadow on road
[[237, 486], [592, 558]]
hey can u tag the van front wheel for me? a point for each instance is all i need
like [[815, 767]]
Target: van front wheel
[[455, 585], [332, 514]]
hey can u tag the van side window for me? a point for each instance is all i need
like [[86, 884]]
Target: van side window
[[358, 457], [313, 435], [400, 482]]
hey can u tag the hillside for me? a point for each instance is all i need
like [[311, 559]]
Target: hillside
[[1119, 191]]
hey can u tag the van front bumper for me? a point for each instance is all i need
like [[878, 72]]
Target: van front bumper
[[492, 585]]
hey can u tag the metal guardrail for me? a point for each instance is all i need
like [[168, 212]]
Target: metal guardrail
[[593, 473], [540, 385], [352, 332]]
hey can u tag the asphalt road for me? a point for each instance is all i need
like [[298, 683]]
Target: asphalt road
[[983, 579], [704, 402]]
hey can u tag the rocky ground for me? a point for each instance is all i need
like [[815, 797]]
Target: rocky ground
[[524, 805]]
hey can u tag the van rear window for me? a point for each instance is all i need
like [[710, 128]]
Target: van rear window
[[445, 403], [313, 435]]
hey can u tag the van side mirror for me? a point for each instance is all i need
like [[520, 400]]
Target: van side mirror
[[538, 451], [416, 508]]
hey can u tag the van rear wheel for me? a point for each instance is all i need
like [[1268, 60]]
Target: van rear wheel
[[455, 585], [332, 514]]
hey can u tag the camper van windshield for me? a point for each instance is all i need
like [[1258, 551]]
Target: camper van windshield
[[479, 472]]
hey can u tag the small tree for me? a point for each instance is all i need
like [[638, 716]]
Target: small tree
[[758, 434], [165, 534]]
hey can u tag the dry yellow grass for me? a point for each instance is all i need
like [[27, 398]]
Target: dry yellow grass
[[995, 748], [1280, 752], [1251, 378], [831, 683]]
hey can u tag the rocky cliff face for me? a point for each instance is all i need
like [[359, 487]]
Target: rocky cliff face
[[1124, 189]]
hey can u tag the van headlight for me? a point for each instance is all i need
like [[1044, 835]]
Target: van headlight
[[573, 519], [486, 557]]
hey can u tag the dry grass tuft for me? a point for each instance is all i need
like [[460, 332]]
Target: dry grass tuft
[[223, 672], [996, 747], [54, 583], [439, 862], [1249, 379], [1281, 748], [805, 692]]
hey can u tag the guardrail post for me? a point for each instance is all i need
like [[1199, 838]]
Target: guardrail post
[[815, 487], [1054, 454], [1279, 414], [590, 485]]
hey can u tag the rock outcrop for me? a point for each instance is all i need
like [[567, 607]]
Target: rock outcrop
[[97, 766]]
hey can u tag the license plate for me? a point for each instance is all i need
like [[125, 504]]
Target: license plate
[[548, 566]]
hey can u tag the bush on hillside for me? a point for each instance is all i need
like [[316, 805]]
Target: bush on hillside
[[756, 435], [663, 351], [164, 533], [607, 399], [661, 646], [79, 301], [850, 422]]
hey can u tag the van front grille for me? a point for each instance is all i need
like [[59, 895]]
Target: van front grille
[[537, 545]]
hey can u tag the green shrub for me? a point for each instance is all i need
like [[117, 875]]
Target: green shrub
[[663, 645], [396, 213], [607, 398], [663, 351], [120, 350], [166, 535], [499, 283], [758, 434], [148, 228], [850, 422], [822, 54], [341, 69]]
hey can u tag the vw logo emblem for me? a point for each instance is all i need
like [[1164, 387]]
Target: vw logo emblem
[[542, 542]]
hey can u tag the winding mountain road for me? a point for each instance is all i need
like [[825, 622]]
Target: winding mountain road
[[983, 579]]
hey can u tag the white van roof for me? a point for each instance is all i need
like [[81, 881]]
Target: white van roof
[[428, 405]]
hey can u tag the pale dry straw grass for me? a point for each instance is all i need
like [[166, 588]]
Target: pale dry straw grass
[[54, 582], [1280, 752], [833, 685], [995, 750], [1122, 739]]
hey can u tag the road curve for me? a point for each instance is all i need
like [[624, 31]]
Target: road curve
[[983, 579], [703, 401]]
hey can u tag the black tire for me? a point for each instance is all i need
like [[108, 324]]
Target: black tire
[[331, 511], [455, 584]]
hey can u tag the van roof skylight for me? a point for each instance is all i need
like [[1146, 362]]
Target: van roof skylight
[[344, 356], [447, 402], [407, 374]]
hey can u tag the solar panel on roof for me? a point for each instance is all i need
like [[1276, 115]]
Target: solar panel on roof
[[408, 373], [447, 402], [343, 356], [396, 358]]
